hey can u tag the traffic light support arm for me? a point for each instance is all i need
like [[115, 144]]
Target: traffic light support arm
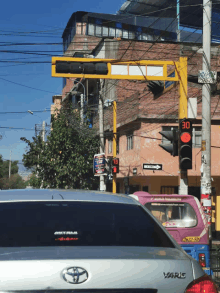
[[116, 69]]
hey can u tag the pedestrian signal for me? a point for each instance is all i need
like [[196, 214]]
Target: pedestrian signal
[[115, 165]]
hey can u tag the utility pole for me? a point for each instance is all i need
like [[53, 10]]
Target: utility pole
[[43, 131], [101, 134], [206, 113], [9, 170], [178, 19], [81, 107]]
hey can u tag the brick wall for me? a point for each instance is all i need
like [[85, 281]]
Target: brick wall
[[135, 98]]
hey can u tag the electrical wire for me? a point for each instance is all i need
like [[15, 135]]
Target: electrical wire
[[36, 89], [16, 128], [25, 112]]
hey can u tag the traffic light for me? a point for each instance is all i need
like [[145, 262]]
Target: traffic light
[[172, 136], [81, 67], [115, 165], [185, 144]]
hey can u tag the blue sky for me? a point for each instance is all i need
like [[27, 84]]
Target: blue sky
[[23, 22]]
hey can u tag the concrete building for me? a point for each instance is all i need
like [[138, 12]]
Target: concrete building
[[141, 115]]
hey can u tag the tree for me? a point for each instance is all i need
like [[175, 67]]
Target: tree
[[65, 160], [15, 181], [5, 168]]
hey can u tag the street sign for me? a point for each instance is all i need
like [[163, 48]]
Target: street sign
[[207, 77], [153, 167], [99, 165]]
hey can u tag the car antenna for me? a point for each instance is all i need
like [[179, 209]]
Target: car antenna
[[61, 196]]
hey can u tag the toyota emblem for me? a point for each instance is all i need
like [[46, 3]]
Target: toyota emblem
[[75, 275]]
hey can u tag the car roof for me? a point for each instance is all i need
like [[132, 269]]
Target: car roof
[[64, 194]]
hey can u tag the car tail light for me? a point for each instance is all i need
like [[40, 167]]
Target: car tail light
[[202, 260], [202, 285]]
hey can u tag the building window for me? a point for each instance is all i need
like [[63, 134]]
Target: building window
[[91, 29], [110, 146], [196, 135], [98, 30], [118, 33], [145, 188], [131, 35], [105, 31], [169, 190], [125, 34], [111, 32], [133, 188], [130, 139]]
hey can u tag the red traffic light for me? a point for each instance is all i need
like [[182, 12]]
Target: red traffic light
[[185, 137]]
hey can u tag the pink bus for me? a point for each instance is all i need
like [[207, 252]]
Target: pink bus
[[183, 217]]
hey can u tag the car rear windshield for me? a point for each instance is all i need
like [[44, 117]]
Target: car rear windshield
[[25, 224]]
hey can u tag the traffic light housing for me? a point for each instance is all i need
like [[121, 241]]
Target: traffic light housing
[[115, 165], [172, 136], [97, 68], [185, 144]]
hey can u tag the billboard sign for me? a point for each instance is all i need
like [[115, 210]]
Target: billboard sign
[[99, 165]]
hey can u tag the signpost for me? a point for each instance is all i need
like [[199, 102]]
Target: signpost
[[153, 167]]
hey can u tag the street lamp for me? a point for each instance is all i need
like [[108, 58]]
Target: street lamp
[[42, 123]]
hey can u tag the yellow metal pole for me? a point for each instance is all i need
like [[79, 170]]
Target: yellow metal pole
[[182, 72], [114, 143], [183, 113]]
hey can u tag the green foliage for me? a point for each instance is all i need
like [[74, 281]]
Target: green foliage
[[15, 181], [5, 168], [32, 155], [65, 160]]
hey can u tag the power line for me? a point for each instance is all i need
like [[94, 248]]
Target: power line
[[25, 112], [16, 128], [27, 86]]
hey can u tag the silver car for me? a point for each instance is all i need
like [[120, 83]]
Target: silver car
[[89, 242]]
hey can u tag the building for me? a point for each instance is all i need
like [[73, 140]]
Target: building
[[141, 113], [188, 14]]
